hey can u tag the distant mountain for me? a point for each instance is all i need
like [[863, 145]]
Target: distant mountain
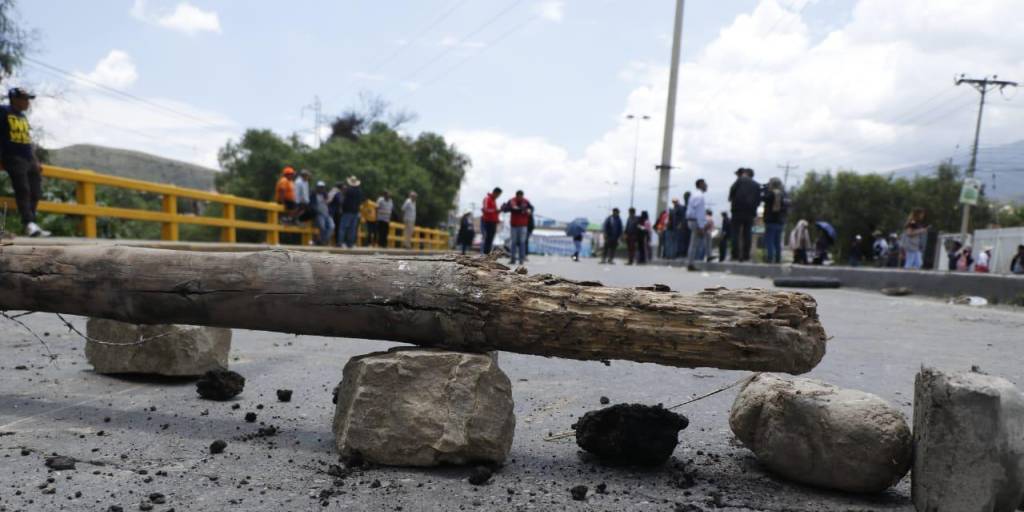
[[1000, 169], [134, 164]]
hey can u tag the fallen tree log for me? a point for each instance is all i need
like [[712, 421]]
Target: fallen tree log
[[454, 302]]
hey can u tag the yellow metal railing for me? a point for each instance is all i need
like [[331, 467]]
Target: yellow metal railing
[[85, 207]]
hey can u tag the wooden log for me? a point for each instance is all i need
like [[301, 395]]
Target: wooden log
[[453, 302]]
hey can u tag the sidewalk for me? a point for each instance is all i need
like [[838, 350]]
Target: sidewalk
[[1001, 289]]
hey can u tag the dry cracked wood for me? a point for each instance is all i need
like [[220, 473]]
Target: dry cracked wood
[[452, 302]]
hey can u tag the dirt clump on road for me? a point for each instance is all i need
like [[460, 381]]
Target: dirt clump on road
[[630, 434], [220, 385]]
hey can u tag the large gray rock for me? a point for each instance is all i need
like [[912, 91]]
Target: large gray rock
[[968, 443], [174, 350], [819, 434], [424, 407]]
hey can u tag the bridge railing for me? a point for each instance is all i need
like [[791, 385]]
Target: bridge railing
[[86, 207]]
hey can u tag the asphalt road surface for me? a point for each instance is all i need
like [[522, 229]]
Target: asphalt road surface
[[141, 436]]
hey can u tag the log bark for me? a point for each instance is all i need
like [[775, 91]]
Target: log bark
[[452, 302]]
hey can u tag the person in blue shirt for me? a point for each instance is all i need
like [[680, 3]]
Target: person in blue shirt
[[696, 221], [18, 157], [612, 232]]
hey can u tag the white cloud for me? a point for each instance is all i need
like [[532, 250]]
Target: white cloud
[[551, 10], [767, 90], [185, 17], [80, 113], [115, 70]]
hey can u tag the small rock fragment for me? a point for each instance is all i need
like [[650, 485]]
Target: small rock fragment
[[250, 417], [605, 401], [579, 493], [284, 395], [60, 462], [218, 446], [480, 475], [220, 385]]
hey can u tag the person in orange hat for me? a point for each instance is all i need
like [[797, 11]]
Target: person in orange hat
[[284, 192]]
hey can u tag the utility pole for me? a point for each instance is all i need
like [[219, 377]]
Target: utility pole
[[317, 109], [636, 150], [983, 85], [785, 176], [670, 112]]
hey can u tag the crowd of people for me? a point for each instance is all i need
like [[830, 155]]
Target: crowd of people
[[339, 211], [521, 225]]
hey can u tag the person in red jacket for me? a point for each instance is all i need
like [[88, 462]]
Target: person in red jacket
[[489, 220], [520, 208]]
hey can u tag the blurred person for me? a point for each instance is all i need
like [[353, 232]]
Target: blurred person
[[800, 242], [726, 232], [1017, 263], [323, 221], [632, 235], [879, 248], [952, 254], [409, 218], [490, 216], [351, 199], [385, 206], [302, 209], [705, 248], [856, 251], [966, 260], [696, 222], [284, 193], [368, 217], [984, 257], [643, 241], [519, 208], [776, 205], [913, 240], [612, 229], [745, 197], [464, 239]]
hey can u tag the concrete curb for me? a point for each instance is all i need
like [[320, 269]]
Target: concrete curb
[[1001, 289]]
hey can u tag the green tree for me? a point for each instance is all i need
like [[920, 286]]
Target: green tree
[[14, 39]]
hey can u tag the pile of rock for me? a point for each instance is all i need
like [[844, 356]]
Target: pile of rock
[[967, 446]]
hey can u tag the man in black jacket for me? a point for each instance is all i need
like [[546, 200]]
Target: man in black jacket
[[745, 196], [612, 233], [351, 199]]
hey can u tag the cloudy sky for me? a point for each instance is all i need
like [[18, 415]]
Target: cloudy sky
[[537, 91]]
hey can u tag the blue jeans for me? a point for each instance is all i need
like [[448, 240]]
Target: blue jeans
[[489, 229], [347, 229], [773, 243], [670, 247], [517, 245], [696, 242], [326, 226], [913, 260]]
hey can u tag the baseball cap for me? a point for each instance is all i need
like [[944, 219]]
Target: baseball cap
[[18, 92]]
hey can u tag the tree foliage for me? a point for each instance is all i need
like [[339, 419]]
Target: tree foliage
[[14, 39], [859, 204], [377, 154]]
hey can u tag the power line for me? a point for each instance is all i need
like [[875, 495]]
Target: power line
[[418, 36], [468, 36], [117, 92]]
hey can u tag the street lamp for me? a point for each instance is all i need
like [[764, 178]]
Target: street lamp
[[636, 149]]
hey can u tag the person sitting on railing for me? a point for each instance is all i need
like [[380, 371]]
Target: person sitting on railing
[[284, 194], [19, 159]]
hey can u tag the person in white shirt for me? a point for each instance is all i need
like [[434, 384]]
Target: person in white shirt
[[409, 217], [384, 207], [696, 220]]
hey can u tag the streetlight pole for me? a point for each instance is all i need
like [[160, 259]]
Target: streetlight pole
[[665, 167], [636, 149]]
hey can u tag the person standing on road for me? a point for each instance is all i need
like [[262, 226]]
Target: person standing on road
[[913, 242], [384, 208], [681, 228], [466, 232], [643, 239], [409, 218], [671, 233], [323, 220], [745, 196], [519, 207], [632, 233], [696, 221], [18, 156], [303, 211], [775, 206], [352, 198], [799, 241], [368, 217], [612, 232], [723, 242], [489, 220], [1017, 263]]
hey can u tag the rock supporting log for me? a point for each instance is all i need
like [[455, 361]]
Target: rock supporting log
[[459, 303], [423, 407], [170, 350]]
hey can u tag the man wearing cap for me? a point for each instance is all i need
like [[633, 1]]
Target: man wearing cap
[[350, 202], [284, 191], [19, 159]]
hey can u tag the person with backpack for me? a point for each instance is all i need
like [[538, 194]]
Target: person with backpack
[[776, 204], [745, 197]]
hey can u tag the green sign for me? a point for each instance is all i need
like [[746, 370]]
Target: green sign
[[970, 191]]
